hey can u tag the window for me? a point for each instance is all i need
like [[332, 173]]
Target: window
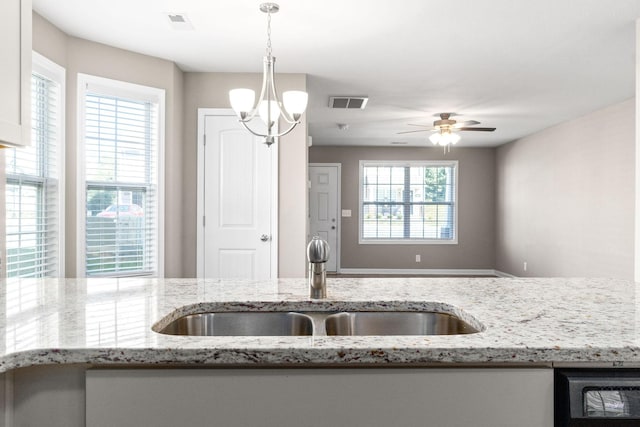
[[34, 190], [408, 202], [121, 178]]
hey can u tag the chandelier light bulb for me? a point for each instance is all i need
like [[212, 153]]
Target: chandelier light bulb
[[295, 101], [264, 113], [242, 100]]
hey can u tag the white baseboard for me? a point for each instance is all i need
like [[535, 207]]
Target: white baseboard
[[425, 271], [503, 274]]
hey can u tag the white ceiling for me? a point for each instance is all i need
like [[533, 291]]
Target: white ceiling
[[518, 65]]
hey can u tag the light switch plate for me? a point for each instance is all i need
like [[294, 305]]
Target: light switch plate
[[346, 213]]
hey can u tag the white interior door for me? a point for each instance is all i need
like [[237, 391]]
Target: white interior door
[[237, 182], [323, 208]]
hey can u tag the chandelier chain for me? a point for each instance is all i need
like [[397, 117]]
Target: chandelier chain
[[269, 34]]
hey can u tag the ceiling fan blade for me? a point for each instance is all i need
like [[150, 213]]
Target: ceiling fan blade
[[412, 131], [478, 129], [424, 126], [467, 123]]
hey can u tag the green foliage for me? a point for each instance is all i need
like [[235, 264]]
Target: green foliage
[[435, 184]]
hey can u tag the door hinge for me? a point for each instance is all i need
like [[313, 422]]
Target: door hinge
[[204, 220], [204, 139]]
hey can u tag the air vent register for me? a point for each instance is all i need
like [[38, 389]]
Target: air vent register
[[348, 102]]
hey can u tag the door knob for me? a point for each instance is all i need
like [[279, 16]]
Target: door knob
[[333, 227], [264, 237]]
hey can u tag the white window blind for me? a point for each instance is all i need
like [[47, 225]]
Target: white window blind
[[121, 148], [33, 222], [408, 202]]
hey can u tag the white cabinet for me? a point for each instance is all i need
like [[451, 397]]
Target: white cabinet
[[15, 72], [320, 397]]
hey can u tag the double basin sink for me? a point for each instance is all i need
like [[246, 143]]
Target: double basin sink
[[256, 323]]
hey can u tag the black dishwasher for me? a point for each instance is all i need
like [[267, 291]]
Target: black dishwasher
[[597, 397]]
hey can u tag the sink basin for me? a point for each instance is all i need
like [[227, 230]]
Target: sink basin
[[396, 323], [348, 323], [241, 324]]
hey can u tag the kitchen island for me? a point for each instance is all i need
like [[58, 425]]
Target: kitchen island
[[525, 324], [109, 321]]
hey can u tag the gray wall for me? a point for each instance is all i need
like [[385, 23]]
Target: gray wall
[[565, 198], [637, 159], [476, 215]]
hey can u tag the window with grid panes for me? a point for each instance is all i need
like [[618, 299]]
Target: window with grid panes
[[408, 202], [121, 146], [34, 237]]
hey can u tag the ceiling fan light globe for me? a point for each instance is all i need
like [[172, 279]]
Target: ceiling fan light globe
[[435, 138], [455, 138]]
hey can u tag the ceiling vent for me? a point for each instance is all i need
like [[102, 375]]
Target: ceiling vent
[[179, 22], [349, 102]]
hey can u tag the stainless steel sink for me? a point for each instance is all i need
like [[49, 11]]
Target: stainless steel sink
[[241, 324], [272, 323], [396, 323]]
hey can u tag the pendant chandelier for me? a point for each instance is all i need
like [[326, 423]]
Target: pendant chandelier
[[269, 107]]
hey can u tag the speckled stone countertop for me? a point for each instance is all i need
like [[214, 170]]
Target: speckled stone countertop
[[522, 321]]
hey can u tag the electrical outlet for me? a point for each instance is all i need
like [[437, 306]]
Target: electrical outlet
[[417, 258], [524, 266]]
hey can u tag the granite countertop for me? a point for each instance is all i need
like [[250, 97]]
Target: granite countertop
[[522, 321]]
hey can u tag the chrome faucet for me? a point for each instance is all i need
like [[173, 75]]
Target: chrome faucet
[[318, 255]]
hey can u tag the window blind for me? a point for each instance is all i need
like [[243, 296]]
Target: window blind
[[32, 189], [121, 176]]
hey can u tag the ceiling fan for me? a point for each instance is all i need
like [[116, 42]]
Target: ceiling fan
[[445, 127]]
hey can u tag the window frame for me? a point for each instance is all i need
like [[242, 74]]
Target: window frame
[[407, 163], [122, 89], [50, 70]]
